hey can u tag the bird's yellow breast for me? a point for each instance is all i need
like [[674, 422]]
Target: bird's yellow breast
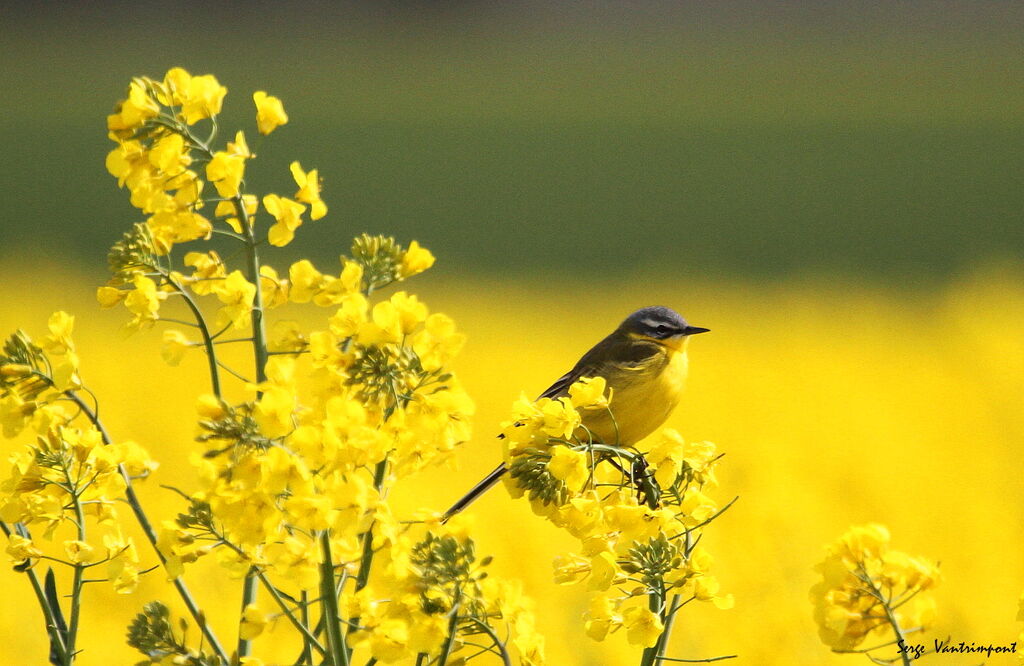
[[642, 398]]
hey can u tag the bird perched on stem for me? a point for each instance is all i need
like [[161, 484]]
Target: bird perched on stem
[[644, 363]]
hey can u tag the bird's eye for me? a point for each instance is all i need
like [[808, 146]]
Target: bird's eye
[[662, 329]]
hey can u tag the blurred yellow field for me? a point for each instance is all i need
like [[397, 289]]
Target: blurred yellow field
[[836, 404]]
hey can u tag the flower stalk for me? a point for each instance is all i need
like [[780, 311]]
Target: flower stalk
[[57, 646], [337, 651], [147, 528]]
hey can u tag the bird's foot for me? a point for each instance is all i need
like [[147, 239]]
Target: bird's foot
[[647, 490]]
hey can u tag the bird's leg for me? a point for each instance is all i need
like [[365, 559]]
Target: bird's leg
[[647, 490]]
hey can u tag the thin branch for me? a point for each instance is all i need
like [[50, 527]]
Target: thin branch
[[233, 373], [505, 658], [151, 536], [716, 514], [698, 661], [303, 629], [204, 330], [56, 640], [230, 234], [453, 629]]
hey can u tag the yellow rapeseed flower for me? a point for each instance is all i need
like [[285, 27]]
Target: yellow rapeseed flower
[[61, 326], [601, 617], [352, 315], [604, 570], [240, 146], [384, 327], [143, 301], [309, 190], [439, 341], [569, 466], [175, 345], [269, 112], [79, 552], [134, 110], [288, 214], [410, 310], [236, 293], [560, 418], [20, 548], [415, 260], [199, 97], [275, 290], [15, 413], [169, 155], [208, 271], [177, 226], [229, 211], [570, 568], [226, 170], [589, 393], [254, 621], [667, 456], [643, 627], [109, 297]]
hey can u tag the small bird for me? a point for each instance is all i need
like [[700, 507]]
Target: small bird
[[643, 362]]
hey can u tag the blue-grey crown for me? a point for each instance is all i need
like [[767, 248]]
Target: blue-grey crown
[[658, 322]]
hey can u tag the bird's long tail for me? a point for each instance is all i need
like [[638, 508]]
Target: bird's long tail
[[476, 491]]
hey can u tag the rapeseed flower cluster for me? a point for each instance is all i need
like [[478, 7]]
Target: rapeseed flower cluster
[[162, 161], [293, 475], [870, 590], [639, 516], [60, 501], [296, 460], [68, 475]]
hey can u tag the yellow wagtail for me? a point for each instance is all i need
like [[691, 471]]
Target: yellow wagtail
[[644, 363]]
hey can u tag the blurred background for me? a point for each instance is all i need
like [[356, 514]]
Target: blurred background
[[834, 188]]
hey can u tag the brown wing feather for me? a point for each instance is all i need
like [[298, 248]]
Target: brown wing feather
[[615, 352]]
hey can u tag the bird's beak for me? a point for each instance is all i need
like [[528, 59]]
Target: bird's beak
[[694, 330]]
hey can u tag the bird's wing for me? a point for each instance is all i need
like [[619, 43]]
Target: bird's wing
[[611, 356]]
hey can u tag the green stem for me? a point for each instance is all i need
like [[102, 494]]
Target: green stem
[[307, 653], [337, 651], [259, 331], [249, 589], [76, 585], [151, 536], [450, 640], [363, 577], [259, 345], [56, 640], [666, 634], [502, 650], [366, 558], [890, 615], [211, 355], [900, 638], [259, 337], [308, 637], [656, 603]]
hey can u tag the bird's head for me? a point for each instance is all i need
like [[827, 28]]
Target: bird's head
[[660, 324]]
